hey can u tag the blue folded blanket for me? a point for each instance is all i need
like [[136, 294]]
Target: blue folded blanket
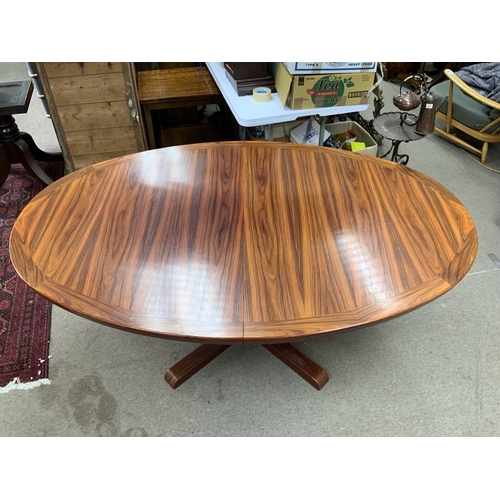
[[483, 78]]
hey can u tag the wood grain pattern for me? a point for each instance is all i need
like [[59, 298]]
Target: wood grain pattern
[[238, 242], [82, 161], [89, 105], [177, 88], [175, 84], [64, 69], [81, 117], [88, 89]]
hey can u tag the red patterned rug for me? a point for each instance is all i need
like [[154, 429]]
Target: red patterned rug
[[24, 315]]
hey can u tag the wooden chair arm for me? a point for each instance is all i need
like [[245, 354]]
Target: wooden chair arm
[[469, 91]]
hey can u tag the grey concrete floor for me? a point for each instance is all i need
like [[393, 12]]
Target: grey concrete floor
[[432, 372]]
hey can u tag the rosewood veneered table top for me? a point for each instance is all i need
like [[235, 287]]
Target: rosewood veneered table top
[[243, 242]]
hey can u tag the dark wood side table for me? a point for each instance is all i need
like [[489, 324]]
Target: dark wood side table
[[175, 88], [17, 146]]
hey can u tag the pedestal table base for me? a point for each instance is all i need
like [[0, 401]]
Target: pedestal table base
[[16, 146]]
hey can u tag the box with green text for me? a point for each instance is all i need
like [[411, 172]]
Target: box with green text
[[320, 91]]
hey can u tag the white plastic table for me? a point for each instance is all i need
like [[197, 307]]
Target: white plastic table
[[249, 113]]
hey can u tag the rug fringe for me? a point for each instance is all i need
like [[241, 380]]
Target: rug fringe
[[17, 384]]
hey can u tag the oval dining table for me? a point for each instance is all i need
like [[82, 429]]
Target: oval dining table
[[243, 243]]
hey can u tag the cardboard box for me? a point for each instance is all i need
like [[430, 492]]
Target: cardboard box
[[311, 91], [281, 131], [362, 135], [298, 68], [307, 133]]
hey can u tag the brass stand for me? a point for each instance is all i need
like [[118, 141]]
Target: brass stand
[[398, 127]]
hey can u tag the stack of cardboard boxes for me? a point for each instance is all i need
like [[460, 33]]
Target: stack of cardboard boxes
[[310, 85]]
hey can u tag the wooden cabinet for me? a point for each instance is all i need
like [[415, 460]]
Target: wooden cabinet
[[94, 108]]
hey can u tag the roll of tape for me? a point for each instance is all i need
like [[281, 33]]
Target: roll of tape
[[261, 94]]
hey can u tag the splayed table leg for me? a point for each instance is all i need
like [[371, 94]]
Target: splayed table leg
[[299, 363], [193, 363]]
